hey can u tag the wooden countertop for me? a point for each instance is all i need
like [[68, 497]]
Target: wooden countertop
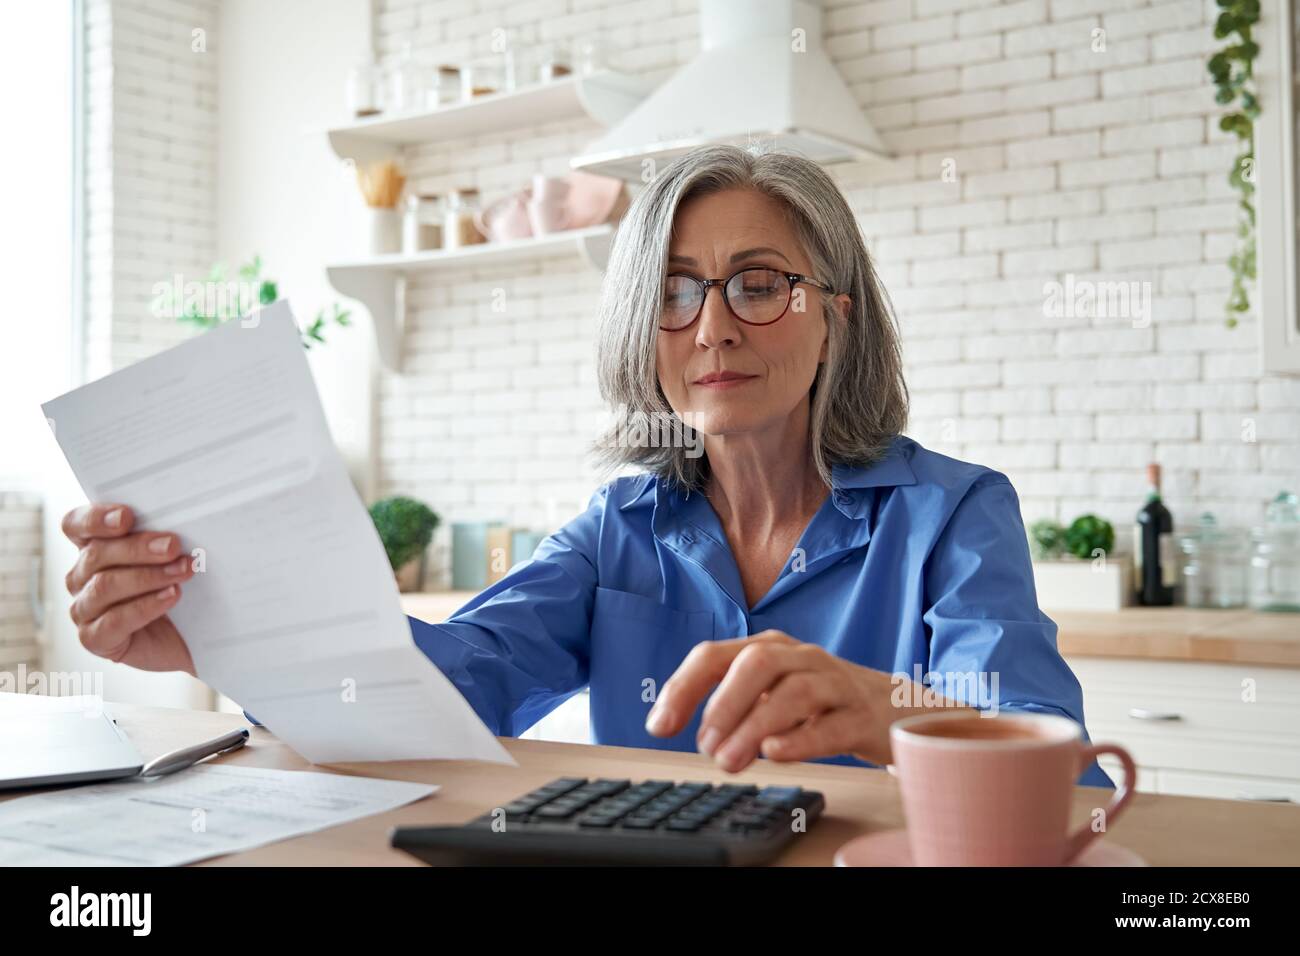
[[1163, 830], [1181, 634], [1150, 633]]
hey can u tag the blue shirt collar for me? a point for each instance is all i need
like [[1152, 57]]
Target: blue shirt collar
[[688, 525], [890, 470]]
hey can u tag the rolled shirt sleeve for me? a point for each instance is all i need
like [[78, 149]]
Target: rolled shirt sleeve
[[990, 645], [522, 646]]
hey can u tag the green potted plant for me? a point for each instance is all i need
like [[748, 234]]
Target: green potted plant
[[216, 299], [1075, 567], [405, 527], [1046, 539], [1232, 68]]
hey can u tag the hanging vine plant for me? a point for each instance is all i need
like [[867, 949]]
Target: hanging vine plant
[[1233, 71]]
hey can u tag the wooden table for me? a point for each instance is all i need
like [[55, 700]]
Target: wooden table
[[1164, 830]]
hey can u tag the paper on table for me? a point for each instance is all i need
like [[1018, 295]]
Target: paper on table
[[295, 612], [205, 811]]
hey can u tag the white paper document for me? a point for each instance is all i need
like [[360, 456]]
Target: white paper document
[[190, 815], [294, 613]]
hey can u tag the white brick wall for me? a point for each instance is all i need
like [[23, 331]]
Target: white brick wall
[[20, 553], [1107, 165], [151, 152]]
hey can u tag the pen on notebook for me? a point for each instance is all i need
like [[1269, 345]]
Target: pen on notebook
[[188, 756]]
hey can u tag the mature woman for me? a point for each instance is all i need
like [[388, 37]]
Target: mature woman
[[813, 575]]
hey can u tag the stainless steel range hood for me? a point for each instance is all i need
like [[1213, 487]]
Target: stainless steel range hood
[[761, 77]]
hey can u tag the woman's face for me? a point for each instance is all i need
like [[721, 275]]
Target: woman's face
[[714, 236]]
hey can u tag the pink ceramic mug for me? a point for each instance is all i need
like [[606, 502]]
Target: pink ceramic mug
[[505, 219], [997, 791]]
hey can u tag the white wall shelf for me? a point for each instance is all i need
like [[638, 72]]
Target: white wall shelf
[[606, 96], [379, 282]]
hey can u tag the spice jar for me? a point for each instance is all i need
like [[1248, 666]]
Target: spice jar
[[365, 90], [458, 219], [481, 78], [444, 89], [421, 224]]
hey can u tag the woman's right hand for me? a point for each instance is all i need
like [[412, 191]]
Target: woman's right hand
[[123, 584]]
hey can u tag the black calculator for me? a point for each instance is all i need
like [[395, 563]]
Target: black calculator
[[578, 821]]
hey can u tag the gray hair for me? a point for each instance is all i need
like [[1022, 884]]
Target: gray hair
[[859, 398]]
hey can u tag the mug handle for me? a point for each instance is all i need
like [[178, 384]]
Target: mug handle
[[1081, 838]]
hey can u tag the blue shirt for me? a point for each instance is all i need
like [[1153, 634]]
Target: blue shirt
[[917, 564]]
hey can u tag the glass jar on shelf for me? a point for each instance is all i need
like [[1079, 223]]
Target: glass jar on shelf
[[459, 228], [508, 59], [444, 87], [421, 223], [482, 77], [1214, 566], [511, 64], [550, 64], [365, 90], [407, 84], [589, 56], [1275, 557]]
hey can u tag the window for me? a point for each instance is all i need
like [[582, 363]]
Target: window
[[37, 235]]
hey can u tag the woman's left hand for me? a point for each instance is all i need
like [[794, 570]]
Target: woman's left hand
[[779, 698]]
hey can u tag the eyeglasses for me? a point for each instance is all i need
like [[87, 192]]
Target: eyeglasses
[[756, 296]]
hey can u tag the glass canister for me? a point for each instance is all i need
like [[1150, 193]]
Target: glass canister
[[482, 77], [421, 224], [365, 90], [458, 228], [444, 87], [589, 56], [407, 84], [1214, 567], [1275, 557], [550, 64]]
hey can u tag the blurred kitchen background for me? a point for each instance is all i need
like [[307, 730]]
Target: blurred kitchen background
[[1049, 188]]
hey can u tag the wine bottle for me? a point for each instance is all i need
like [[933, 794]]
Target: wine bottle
[[1154, 570]]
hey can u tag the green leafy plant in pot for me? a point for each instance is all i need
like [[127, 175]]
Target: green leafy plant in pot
[[1050, 541], [1046, 539], [1075, 567], [1088, 536], [405, 527]]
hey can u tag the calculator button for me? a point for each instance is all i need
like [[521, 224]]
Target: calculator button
[[683, 825], [779, 796], [639, 823], [738, 789]]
